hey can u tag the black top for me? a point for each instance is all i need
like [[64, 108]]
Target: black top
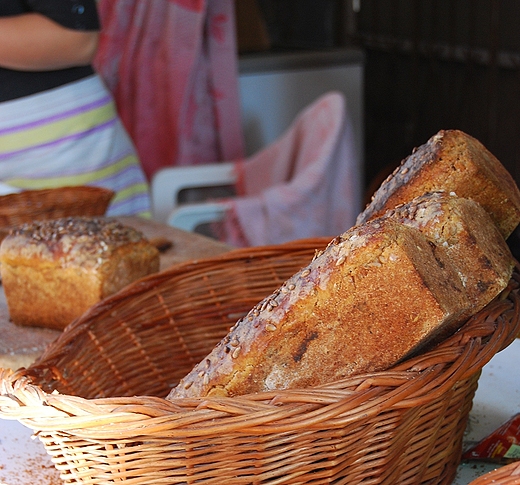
[[74, 14]]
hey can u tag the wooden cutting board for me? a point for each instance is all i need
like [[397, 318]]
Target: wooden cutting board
[[20, 346]]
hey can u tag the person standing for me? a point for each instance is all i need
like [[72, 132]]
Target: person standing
[[58, 121]]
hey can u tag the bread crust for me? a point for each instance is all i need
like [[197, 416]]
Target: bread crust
[[377, 283], [53, 271], [451, 161], [467, 236]]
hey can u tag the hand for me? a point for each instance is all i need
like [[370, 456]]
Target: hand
[[33, 42]]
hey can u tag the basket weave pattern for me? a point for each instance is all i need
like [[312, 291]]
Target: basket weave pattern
[[111, 368], [29, 205]]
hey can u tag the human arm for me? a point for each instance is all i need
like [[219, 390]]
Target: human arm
[[33, 42]]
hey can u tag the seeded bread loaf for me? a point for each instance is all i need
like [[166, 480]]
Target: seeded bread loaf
[[372, 297], [53, 271], [465, 234], [451, 161]]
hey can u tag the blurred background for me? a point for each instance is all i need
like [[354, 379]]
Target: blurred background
[[428, 65]]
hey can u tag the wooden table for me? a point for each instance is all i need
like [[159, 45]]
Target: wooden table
[[20, 346]]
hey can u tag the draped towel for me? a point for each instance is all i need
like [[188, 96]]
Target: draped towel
[[172, 68], [305, 184]]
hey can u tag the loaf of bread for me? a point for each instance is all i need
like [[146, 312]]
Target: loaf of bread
[[466, 235], [53, 271], [376, 294], [451, 161]]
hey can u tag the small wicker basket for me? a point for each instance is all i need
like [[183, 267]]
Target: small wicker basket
[[96, 398], [30, 205], [505, 475]]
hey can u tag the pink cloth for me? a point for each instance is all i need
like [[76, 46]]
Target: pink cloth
[[305, 184], [172, 67]]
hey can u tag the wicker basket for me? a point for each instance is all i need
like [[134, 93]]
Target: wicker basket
[[96, 397], [505, 475], [30, 205]]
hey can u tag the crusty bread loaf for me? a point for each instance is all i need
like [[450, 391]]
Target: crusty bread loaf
[[455, 162], [372, 297], [466, 235], [53, 271]]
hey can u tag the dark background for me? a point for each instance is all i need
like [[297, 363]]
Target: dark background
[[430, 65]]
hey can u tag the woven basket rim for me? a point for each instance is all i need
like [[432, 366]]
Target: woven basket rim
[[504, 475], [354, 429], [72, 189], [51, 203], [410, 383]]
